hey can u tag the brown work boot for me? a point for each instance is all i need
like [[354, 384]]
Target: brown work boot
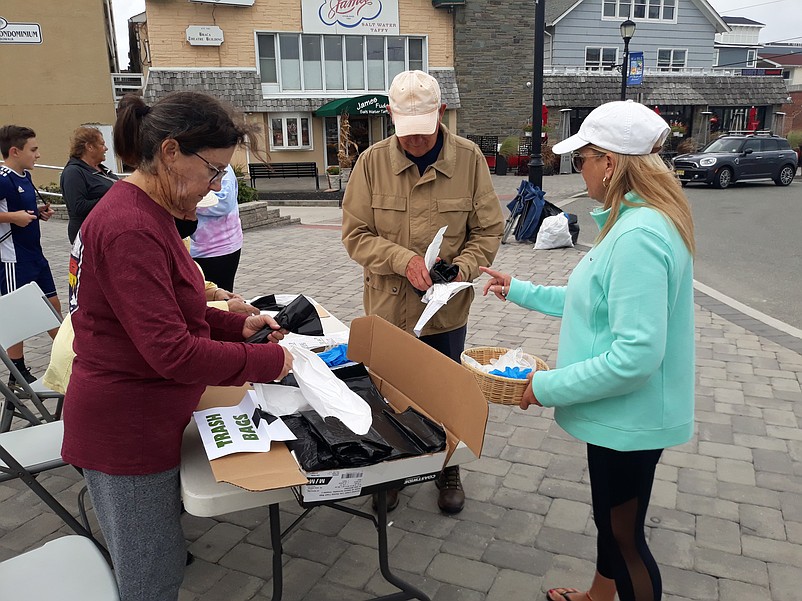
[[452, 497], [392, 499]]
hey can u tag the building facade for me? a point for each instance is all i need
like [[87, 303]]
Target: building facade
[[297, 67], [57, 61], [583, 57]]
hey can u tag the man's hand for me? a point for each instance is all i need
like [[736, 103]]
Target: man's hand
[[529, 395], [417, 274], [45, 212], [238, 306], [254, 323], [22, 218]]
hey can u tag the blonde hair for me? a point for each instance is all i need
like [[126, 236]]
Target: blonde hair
[[83, 137], [650, 178]]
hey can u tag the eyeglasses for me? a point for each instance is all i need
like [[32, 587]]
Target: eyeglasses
[[578, 160], [218, 173]]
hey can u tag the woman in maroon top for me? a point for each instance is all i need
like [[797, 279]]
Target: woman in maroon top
[[146, 343]]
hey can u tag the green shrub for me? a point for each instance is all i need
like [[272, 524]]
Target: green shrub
[[509, 147], [246, 192], [795, 138]]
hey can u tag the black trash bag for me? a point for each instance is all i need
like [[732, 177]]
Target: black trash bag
[[348, 448], [427, 435], [573, 227], [441, 273], [267, 303], [410, 433], [309, 449], [403, 435], [299, 317]]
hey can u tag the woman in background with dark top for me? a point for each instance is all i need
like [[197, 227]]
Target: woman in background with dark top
[[141, 366], [85, 178]]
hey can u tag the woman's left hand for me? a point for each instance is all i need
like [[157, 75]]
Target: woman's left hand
[[254, 323], [529, 395], [238, 306], [499, 283]]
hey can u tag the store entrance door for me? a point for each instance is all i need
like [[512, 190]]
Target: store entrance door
[[360, 132]]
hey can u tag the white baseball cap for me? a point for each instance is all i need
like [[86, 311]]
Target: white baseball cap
[[209, 200], [415, 103], [625, 127]]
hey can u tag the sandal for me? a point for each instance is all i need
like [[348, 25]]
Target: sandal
[[563, 594]]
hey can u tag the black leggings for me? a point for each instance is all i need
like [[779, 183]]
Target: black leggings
[[621, 484], [220, 270]]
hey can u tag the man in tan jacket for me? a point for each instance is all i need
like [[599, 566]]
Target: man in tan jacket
[[401, 191]]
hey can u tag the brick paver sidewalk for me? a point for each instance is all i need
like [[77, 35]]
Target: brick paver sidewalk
[[726, 517]]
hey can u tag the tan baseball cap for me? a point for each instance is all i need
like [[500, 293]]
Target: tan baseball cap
[[415, 103]]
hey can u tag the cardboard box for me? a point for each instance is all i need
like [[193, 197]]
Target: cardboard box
[[408, 373]]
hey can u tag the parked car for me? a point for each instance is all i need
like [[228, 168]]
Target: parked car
[[739, 157]]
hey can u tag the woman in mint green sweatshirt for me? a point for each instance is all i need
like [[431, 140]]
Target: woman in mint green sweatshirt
[[624, 381]]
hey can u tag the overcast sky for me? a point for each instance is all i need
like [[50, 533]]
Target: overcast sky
[[783, 18]]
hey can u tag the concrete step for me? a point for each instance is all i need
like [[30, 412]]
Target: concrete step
[[303, 203]]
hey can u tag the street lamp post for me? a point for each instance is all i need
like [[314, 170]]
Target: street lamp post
[[627, 31], [536, 158]]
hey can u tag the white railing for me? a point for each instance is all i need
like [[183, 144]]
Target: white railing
[[694, 71], [123, 83]]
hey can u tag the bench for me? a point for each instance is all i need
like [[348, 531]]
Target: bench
[[272, 170]]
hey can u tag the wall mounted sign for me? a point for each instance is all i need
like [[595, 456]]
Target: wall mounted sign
[[20, 33], [204, 35], [229, 2], [358, 17]]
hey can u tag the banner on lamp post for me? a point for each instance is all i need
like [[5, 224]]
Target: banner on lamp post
[[635, 69]]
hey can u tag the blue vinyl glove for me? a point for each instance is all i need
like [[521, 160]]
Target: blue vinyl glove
[[335, 356], [513, 372]]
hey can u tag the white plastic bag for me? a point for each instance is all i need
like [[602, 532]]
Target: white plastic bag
[[553, 233], [280, 400], [327, 394]]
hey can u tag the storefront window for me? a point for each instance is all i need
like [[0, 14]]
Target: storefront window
[[396, 53], [267, 58], [290, 62], [333, 51], [375, 52], [290, 131], [329, 62], [313, 79]]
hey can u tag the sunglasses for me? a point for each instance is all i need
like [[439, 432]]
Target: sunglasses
[[218, 173], [578, 160]]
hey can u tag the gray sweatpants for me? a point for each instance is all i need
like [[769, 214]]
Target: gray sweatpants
[[140, 520]]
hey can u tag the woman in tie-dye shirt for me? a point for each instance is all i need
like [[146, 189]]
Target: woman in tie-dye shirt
[[217, 242]]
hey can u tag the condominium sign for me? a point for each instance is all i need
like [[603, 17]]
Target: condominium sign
[[358, 17], [20, 33]]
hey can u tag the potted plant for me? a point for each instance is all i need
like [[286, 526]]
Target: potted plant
[[333, 177], [344, 153]]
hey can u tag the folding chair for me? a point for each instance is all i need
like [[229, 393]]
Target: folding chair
[[26, 313], [69, 568], [26, 453]]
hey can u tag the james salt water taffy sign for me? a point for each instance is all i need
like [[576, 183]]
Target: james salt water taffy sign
[[360, 17]]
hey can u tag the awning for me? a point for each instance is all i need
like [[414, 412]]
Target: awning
[[371, 104]]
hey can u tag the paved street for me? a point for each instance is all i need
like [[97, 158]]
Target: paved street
[[726, 516]]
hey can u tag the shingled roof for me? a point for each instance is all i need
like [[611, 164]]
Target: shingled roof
[[587, 90], [243, 89]]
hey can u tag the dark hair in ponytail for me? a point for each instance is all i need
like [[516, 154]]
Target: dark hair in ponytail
[[194, 120]]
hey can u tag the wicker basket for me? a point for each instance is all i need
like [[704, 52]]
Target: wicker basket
[[498, 389]]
